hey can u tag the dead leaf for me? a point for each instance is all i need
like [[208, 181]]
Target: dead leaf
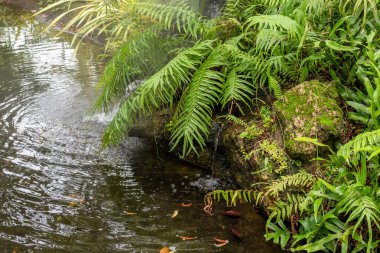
[[220, 240], [187, 238], [72, 204], [175, 213], [130, 213], [82, 201], [221, 244], [187, 205], [165, 250]]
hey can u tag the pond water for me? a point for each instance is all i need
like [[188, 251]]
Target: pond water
[[59, 194]]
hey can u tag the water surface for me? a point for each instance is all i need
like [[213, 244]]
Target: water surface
[[59, 194]]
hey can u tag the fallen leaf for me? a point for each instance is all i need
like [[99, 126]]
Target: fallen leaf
[[175, 213], [187, 205], [73, 195], [232, 213], [221, 244], [220, 240], [130, 213], [72, 204], [187, 238], [82, 201], [165, 250], [14, 251]]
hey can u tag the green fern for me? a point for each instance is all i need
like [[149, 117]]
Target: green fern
[[180, 16], [366, 142], [301, 181], [274, 86], [274, 22], [237, 88], [158, 90], [284, 209], [232, 196], [192, 124], [236, 120]]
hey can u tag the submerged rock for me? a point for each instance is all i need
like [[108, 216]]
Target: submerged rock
[[310, 109]]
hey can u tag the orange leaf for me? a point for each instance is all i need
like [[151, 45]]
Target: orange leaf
[[187, 238], [165, 250], [187, 205], [221, 244], [175, 213], [220, 240]]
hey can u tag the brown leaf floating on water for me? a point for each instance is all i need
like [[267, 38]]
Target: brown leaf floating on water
[[232, 213], [175, 213], [187, 238], [220, 240], [221, 244]]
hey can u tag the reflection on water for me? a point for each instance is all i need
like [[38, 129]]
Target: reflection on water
[[58, 194]]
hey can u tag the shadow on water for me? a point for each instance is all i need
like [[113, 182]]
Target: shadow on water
[[58, 194]]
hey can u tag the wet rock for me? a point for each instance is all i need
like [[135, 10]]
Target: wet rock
[[310, 109], [206, 183]]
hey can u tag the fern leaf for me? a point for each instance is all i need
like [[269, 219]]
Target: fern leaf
[[274, 22], [191, 127], [299, 181], [360, 142], [158, 90], [274, 86], [180, 17], [237, 87]]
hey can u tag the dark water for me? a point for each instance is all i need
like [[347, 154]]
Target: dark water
[[58, 194]]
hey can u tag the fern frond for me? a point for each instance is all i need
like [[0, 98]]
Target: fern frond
[[236, 120], [361, 209], [284, 209], [274, 22], [126, 65], [299, 182], [237, 87], [369, 141], [274, 86], [180, 17], [158, 90], [191, 127], [232, 196], [268, 40]]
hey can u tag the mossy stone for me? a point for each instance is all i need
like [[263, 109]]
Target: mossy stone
[[310, 109]]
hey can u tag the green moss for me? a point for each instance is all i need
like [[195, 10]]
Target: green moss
[[310, 109]]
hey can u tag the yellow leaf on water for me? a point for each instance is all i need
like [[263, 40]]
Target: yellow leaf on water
[[165, 250], [175, 213]]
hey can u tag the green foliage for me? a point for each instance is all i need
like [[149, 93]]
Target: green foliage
[[365, 142]]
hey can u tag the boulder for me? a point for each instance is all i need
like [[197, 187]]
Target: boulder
[[309, 109]]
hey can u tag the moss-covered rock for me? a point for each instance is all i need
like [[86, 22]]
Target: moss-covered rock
[[310, 109]]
